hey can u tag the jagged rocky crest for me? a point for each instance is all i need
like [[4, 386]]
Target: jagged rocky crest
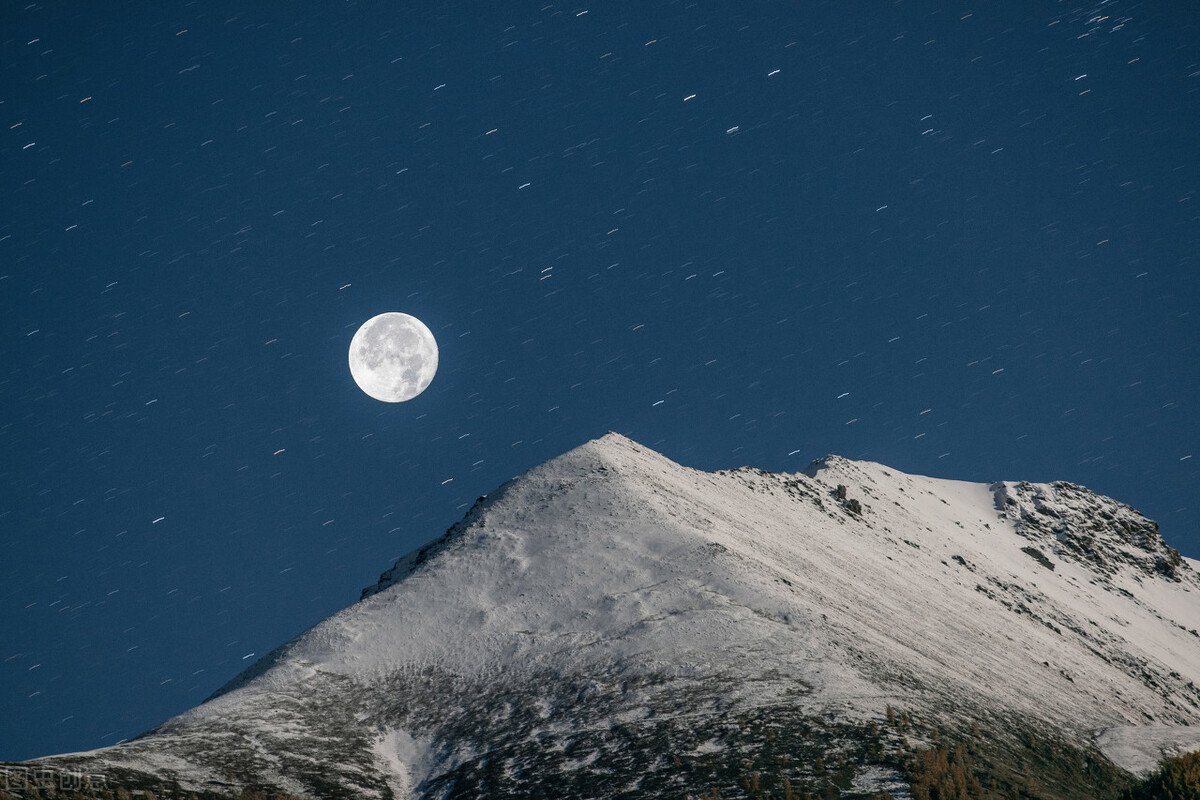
[[613, 624], [1077, 524]]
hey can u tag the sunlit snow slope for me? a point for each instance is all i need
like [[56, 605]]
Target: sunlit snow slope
[[610, 588]]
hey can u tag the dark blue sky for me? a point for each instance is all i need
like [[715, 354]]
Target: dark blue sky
[[962, 243]]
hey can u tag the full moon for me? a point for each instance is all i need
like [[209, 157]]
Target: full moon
[[393, 357]]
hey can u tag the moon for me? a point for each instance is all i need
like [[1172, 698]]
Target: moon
[[393, 357]]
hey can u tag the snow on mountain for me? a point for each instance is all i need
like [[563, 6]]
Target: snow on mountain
[[603, 621]]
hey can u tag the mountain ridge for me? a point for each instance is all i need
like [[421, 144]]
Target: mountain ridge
[[609, 592]]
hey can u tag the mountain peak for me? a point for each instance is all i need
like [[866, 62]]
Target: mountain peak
[[604, 457], [612, 451]]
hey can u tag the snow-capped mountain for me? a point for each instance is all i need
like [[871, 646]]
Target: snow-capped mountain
[[614, 623]]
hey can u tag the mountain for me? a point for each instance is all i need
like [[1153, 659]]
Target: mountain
[[614, 624]]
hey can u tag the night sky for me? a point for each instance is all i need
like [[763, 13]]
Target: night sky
[[964, 242]]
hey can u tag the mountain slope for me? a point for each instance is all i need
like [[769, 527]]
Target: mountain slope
[[612, 622]]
